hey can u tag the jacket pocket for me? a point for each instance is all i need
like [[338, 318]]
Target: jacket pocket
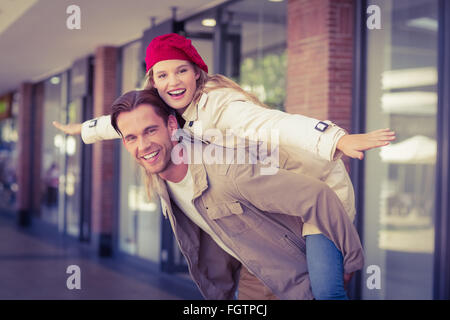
[[232, 218], [224, 210]]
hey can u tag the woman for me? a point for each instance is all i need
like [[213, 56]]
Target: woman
[[204, 102]]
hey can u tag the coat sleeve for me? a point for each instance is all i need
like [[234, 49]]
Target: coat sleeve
[[308, 198], [98, 129], [249, 120]]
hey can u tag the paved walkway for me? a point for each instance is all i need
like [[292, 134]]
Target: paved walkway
[[34, 261]]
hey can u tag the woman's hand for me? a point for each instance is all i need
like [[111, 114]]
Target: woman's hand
[[71, 128], [352, 145]]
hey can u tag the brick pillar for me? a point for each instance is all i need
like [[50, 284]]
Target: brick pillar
[[320, 54], [103, 182], [31, 101]]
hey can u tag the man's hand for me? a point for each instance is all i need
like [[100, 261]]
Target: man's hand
[[71, 128], [352, 145]]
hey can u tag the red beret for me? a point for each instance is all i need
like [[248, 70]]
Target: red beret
[[172, 46]]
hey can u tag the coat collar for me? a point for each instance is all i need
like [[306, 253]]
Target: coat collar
[[198, 172], [191, 112], [199, 176]]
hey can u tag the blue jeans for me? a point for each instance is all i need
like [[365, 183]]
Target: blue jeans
[[325, 267]]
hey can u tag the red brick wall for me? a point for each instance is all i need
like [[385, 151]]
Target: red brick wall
[[103, 192], [30, 147], [320, 53], [341, 62]]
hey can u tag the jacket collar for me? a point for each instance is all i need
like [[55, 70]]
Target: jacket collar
[[199, 177], [200, 185], [198, 172], [191, 112]]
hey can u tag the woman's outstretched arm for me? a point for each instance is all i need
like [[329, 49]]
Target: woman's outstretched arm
[[92, 130], [322, 138]]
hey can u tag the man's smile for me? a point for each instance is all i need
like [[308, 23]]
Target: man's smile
[[151, 157]]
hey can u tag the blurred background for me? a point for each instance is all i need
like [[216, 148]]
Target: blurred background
[[313, 57]]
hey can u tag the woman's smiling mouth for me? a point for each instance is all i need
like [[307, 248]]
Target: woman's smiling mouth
[[178, 93]]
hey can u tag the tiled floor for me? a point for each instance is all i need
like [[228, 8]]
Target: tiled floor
[[34, 261]]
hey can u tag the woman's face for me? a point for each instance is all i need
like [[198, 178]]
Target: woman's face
[[175, 81]]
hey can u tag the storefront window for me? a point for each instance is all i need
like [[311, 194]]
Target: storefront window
[[52, 150], [8, 158], [262, 26], [254, 46], [72, 176], [61, 158], [265, 76], [399, 179]]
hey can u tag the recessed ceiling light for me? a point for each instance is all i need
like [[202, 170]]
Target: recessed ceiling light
[[276, 0], [209, 22], [55, 80]]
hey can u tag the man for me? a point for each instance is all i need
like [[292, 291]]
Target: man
[[234, 225]]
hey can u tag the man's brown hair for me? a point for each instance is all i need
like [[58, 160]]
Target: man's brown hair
[[133, 99]]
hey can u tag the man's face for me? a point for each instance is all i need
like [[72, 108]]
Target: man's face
[[147, 137]]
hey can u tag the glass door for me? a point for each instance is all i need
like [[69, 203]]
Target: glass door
[[53, 151], [9, 156], [72, 181]]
